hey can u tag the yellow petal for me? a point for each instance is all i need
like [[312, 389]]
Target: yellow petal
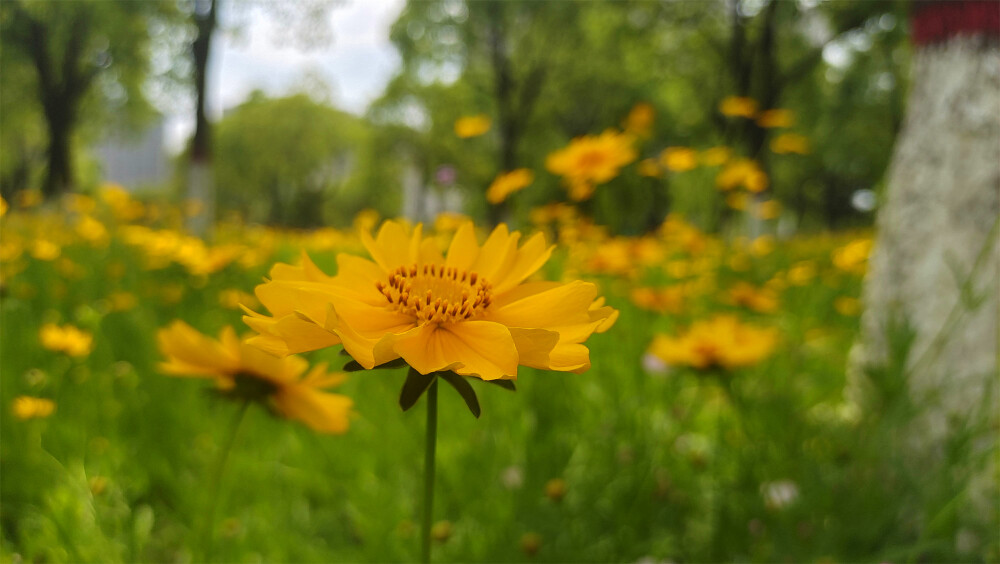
[[469, 348], [534, 346], [565, 304], [528, 259], [464, 249], [321, 411]]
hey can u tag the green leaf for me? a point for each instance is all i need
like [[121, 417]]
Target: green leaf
[[464, 389], [505, 384], [353, 365], [414, 387]]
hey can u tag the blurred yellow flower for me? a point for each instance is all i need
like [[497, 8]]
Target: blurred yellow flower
[[27, 407], [233, 298], [245, 372], [716, 156], [366, 219], [742, 172], [670, 299], [121, 203], [469, 311], [790, 143], [46, 250], [762, 246], [92, 230], [591, 160], [737, 200], [847, 306], [760, 300], [649, 168], [738, 106], [29, 198], [720, 342], [769, 209], [122, 301], [67, 339], [640, 120], [555, 489], [853, 257], [801, 273], [776, 118], [507, 183], [679, 159], [472, 126], [3, 206]]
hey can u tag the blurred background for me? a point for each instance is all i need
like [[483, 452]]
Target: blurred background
[[716, 167]]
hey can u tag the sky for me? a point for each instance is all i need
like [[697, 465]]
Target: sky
[[355, 66]]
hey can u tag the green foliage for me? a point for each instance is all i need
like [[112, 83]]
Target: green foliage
[[288, 161]]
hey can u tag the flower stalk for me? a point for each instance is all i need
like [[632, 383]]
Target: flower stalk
[[429, 453], [219, 471]]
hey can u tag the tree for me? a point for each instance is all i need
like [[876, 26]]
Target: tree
[[280, 159], [85, 57]]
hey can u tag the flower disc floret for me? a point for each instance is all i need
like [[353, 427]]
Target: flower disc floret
[[435, 293]]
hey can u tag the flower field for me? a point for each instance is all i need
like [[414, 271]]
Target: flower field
[[712, 424]]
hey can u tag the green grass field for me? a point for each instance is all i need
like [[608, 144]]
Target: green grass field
[[632, 461]]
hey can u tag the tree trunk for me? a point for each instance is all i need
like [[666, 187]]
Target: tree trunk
[[935, 263], [59, 176], [201, 187]]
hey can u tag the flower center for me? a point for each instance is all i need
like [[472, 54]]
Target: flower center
[[436, 293]]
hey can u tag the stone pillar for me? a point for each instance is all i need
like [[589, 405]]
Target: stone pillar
[[935, 263]]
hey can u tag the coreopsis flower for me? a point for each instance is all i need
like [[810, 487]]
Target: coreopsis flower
[[27, 407], [742, 172], [469, 311], [720, 342], [243, 371], [640, 120], [591, 160], [472, 126], [790, 143], [715, 156], [760, 300], [507, 183], [66, 339], [776, 118], [679, 159], [738, 106], [853, 257]]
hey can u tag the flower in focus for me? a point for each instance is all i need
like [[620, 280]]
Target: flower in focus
[[776, 118], [679, 159], [67, 339], [507, 183], [640, 120], [243, 371], [790, 143], [469, 311], [27, 407], [719, 342], [472, 126], [738, 106], [591, 160]]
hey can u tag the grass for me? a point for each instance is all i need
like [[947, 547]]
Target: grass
[[624, 463]]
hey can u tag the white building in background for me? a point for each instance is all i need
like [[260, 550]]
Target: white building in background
[[135, 159]]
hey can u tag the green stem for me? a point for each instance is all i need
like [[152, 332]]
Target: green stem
[[213, 491], [432, 405]]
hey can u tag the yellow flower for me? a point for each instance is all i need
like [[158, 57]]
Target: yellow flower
[[853, 257], [27, 407], [67, 339], [716, 156], [640, 120], [366, 219], [801, 273], [43, 249], [760, 300], [847, 306], [591, 160], [769, 209], [738, 106], [469, 311], [737, 200], [472, 126], [649, 168], [776, 118], [790, 143], [29, 198], [244, 371], [742, 172], [507, 183], [720, 342], [679, 159], [3, 206]]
